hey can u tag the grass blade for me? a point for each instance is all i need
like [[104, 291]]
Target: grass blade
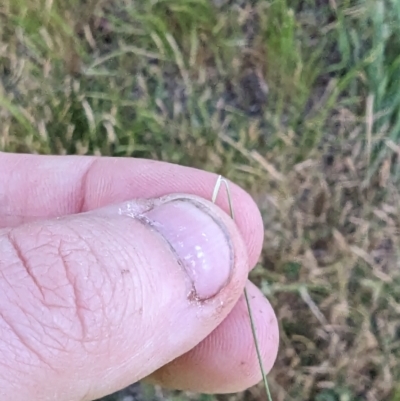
[[217, 187]]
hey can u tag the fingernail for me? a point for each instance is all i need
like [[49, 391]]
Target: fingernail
[[201, 243]]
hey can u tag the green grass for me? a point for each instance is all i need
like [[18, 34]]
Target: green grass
[[296, 100]]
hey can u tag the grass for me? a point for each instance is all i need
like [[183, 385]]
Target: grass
[[223, 182], [296, 100]]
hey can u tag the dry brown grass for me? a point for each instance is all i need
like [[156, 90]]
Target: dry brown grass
[[330, 267]]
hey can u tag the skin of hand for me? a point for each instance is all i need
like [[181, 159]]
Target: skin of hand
[[118, 270]]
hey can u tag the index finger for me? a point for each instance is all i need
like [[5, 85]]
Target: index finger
[[51, 186]]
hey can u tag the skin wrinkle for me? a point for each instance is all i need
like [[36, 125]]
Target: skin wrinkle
[[77, 301], [24, 261], [61, 257], [29, 316], [98, 294], [120, 312], [55, 337], [10, 286], [141, 260], [21, 261], [85, 241], [72, 191], [83, 185], [61, 262], [123, 313], [94, 253], [109, 317], [23, 341], [108, 276], [11, 347], [139, 290], [139, 309]]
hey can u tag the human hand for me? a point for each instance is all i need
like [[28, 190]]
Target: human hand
[[102, 283]]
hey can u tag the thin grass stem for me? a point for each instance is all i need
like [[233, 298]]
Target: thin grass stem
[[217, 187]]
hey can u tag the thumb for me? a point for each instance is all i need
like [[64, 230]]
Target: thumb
[[93, 302]]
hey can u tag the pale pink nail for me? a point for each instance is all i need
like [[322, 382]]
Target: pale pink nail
[[200, 242]]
